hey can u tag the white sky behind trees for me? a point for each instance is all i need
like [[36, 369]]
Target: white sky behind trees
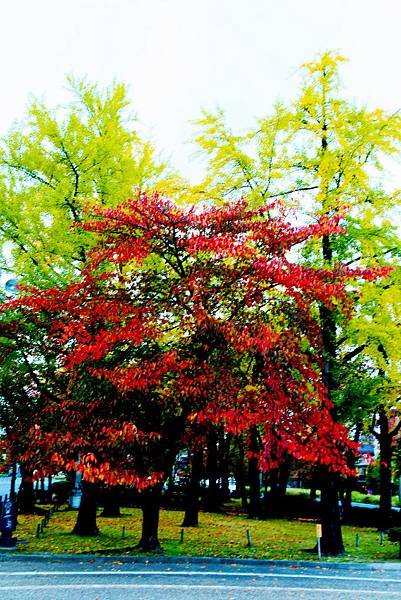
[[178, 56]]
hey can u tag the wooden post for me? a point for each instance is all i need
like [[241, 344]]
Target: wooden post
[[248, 537]]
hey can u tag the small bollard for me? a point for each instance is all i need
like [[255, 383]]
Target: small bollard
[[381, 536], [357, 540], [318, 539], [123, 533], [248, 537], [38, 531], [182, 536]]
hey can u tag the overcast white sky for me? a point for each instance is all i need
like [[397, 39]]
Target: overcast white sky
[[180, 55]]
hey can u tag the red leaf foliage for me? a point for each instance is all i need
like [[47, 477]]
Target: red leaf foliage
[[186, 316]]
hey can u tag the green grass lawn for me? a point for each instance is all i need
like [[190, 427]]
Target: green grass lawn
[[356, 496], [372, 498], [217, 535]]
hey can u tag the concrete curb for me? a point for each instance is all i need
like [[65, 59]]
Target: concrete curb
[[196, 560]]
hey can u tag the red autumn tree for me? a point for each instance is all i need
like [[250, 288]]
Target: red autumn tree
[[182, 316]]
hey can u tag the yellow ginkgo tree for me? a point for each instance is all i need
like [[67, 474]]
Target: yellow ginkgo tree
[[57, 161], [327, 154]]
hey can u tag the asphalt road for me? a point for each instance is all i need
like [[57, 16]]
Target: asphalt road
[[89, 578]]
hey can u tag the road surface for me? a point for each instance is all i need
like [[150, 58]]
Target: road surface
[[93, 578]]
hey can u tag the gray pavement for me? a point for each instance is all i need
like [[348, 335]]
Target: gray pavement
[[42, 577], [115, 578]]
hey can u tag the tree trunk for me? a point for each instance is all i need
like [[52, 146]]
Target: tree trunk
[[349, 483], [111, 503], [49, 489], [149, 541], [191, 517], [346, 495], [313, 491], [255, 505], [168, 492], [13, 480], [240, 491], [278, 488], [26, 499], [386, 452], [225, 466], [332, 540], [86, 520], [212, 500]]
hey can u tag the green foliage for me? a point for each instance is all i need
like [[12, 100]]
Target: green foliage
[[58, 161], [373, 477], [325, 153]]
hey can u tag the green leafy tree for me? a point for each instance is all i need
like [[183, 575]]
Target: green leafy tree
[[324, 152], [55, 163]]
